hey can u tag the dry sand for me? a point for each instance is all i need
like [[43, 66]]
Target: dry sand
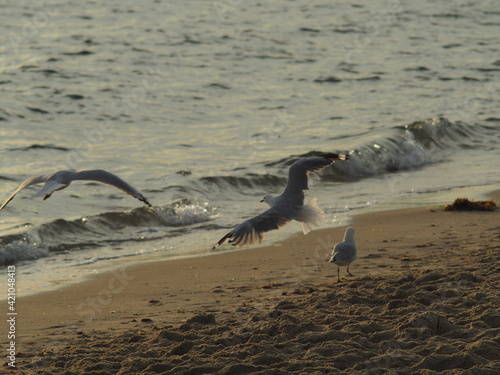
[[424, 300]]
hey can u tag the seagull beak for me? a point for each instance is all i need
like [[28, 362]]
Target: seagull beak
[[262, 200]]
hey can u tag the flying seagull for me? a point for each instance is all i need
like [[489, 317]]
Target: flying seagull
[[345, 252], [287, 206], [61, 179]]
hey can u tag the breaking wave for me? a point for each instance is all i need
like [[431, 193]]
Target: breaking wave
[[400, 148], [140, 224], [395, 149]]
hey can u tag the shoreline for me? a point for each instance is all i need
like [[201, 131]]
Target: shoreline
[[237, 285], [84, 273]]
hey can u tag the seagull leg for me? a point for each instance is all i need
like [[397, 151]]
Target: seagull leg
[[348, 271], [338, 274]]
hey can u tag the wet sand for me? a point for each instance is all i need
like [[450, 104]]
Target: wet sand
[[424, 299]]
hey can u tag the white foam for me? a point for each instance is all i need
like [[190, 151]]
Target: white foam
[[187, 214], [22, 250]]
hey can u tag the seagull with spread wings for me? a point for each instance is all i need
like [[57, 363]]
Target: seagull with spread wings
[[61, 180], [286, 207]]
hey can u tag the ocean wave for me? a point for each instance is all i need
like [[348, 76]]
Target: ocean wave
[[140, 224], [375, 153], [245, 183], [400, 148], [406, 147], [23, 247], [37, 146]]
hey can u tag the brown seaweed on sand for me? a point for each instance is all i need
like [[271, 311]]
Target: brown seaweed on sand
[[464, 204]]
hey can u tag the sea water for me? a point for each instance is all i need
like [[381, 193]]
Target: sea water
[[203, 106]]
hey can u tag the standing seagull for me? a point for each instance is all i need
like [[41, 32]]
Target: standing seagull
[[345, 252], [287, 206], [61, 179]]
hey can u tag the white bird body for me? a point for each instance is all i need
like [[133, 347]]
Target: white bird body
[[345, 252], [309, 215], [61, 180], [286, 207]]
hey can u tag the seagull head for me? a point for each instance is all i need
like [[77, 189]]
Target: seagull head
[[349, 234], [268, 199]]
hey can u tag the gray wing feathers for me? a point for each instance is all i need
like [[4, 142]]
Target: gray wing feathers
[[30, 181], [108, 178], [344, 252], [250, 231], [298, 175]]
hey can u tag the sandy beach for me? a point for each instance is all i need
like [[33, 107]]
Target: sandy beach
[[424, 299], [204, 107]]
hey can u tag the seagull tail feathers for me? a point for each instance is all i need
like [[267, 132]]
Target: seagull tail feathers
[[311, 216]]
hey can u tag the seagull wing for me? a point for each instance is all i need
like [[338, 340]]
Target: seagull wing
[[108, 178], [344, 252], [30, 181], [250, 231], [298, 175]]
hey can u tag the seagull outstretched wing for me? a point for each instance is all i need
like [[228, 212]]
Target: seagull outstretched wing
[[250, 231], [30, 181]]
